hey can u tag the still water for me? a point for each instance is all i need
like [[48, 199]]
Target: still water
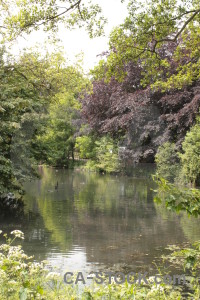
[[94, 222]]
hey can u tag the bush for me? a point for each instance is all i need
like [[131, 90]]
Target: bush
[[103, 153], [190, 158], [23, 279], [167, 161], [107, 155], [177, 198], [86, 147]]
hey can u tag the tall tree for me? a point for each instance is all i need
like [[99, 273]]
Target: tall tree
[[163, 38], [28, 88], [56, 141], [147, 85]]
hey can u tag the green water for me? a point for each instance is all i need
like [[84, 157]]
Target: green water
[[97, 222]]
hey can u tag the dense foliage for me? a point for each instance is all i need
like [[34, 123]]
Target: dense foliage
[[177, 198], [183, 165], [39, 115], [167, 161], [55, 143], [145, 118], [147, 87], [144, 93], [190, 158], [23, 98], [101, 152], [144, 100], [163, 38]]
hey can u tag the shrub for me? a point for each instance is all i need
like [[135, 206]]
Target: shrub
[[22, 278], [85, 145], [103, 153], [177, 198], [107, 155], [190, 158], [167, 161]]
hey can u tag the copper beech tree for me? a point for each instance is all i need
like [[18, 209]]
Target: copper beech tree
[[146, 87]]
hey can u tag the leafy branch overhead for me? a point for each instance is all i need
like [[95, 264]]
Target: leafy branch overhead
[[23, 16], [163, 38]]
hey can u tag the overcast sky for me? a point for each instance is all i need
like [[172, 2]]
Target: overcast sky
[[78, 40]]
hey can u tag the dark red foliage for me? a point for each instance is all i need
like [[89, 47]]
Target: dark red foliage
[[147, 119], [113, 105]]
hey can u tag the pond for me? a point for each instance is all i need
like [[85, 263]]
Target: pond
[[92, 222]]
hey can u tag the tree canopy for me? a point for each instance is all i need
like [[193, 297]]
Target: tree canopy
[[162, 37], [144, 91], [38, 102], [146, 87], [24, 16]]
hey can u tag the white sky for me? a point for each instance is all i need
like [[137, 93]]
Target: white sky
[[77, 41]]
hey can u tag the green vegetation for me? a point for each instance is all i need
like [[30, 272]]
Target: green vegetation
[[56, 141], [184, 165], [177, 198], [86, 147], [147, 87], [190, 158], [39, 95], [23, 98], [102, 152], [167, 161], [51, 113], [22, 278], [24, 16], [151, 28], [39, 102]]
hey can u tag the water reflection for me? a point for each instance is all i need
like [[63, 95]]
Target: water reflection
[[96, 221]]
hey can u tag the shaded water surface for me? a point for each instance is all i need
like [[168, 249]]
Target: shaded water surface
[[94, 222]]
